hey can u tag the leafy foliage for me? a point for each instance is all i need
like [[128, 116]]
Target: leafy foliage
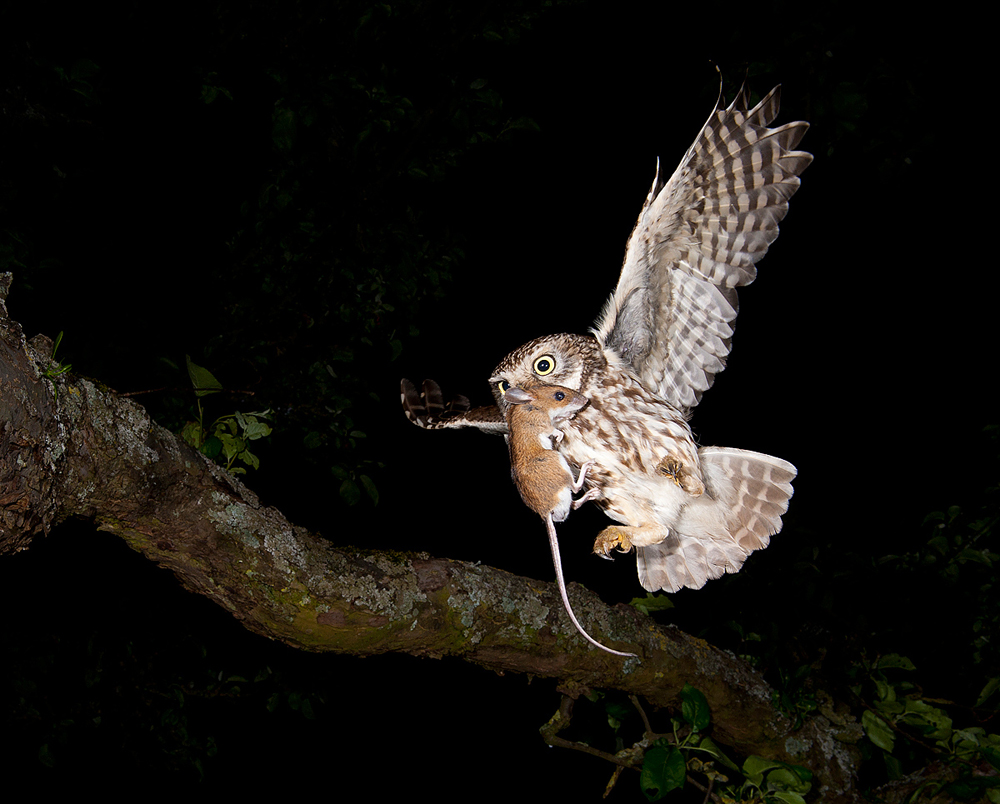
[[56, 369], [910, 728], [227, 438], [667, 763]]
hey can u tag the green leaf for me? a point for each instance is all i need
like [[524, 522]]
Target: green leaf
[[939, 543], [885, 691], [893, 767], [255, 428], [45, 756], [878, 731], [988, 690], [212, 447], [787, 796], [971, 788], [202, 379], [249, 459], [804, 774], [755, 767], [663, 770], [193, 434], [694, 708], [977, 556], [231, 445], [932, 721], [707, 745], [369, 485], [787, 779], [349, 492], [991, 755], [895, 660], [397, 348], [651, 603], [617, 711]]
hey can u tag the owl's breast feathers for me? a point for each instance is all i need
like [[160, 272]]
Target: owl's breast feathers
[[646, 461]]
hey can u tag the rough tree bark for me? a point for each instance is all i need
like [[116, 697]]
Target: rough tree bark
[[70, 448]]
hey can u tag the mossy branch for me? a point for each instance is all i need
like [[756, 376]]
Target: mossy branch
[[69, 448]]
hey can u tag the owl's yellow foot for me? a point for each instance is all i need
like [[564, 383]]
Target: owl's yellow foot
[[612, 538], [676, 471]]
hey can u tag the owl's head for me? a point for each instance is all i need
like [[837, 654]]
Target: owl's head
[[564, 359]]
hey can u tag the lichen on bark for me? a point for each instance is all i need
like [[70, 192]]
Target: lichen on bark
[[71, 448]]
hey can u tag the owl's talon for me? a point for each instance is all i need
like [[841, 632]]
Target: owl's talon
[[675, 470], [612, 538]]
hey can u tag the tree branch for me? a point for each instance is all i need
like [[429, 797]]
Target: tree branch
[[69, 448]]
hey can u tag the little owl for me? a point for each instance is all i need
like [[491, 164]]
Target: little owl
[[691, 513]]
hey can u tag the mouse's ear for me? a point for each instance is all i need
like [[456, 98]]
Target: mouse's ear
[[517, 396]]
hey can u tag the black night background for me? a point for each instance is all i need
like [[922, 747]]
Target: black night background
[[313, 200]]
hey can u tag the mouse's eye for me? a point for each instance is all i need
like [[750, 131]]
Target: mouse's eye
[[559, 396], [543, 365], [503, 385]]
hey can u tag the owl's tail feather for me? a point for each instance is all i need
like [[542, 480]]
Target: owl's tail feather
[[747, 493]]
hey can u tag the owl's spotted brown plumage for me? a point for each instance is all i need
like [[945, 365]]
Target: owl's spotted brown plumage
[[691, 513]]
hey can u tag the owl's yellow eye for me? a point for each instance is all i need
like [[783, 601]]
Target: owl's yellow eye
[[543, 365], [503, 385]]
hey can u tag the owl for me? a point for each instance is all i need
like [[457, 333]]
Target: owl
[[690, 513]]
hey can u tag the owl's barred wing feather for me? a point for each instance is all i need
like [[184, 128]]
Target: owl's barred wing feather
[[747, 494], [427, 409], [698, 238]]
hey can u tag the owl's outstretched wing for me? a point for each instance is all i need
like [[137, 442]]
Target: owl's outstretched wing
[[427, 409], [698, 238]]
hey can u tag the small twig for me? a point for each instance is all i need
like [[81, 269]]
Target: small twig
[[642, 713], [175, 388], [152, 391], [708, 793], [649, 736], [561, 720], [613, 780], [561, 742]]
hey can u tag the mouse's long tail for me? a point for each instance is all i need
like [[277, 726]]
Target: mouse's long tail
[[557, 561]]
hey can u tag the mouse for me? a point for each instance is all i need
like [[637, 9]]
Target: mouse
[[542, 475]]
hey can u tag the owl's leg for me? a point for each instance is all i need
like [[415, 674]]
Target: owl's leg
[[625, 537], [681, 475]]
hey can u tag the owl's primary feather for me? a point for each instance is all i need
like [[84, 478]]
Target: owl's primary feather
[[691, 514], [698, 237]]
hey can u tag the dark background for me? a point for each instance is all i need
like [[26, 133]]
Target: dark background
[[137, 221]]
